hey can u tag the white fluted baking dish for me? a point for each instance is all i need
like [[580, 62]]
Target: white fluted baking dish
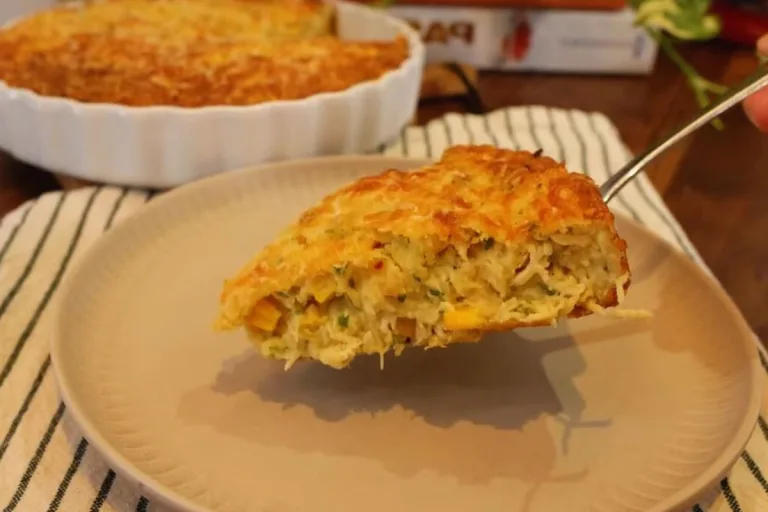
[[166, 146]]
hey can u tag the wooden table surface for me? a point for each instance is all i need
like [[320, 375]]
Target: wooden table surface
[[716, 183]]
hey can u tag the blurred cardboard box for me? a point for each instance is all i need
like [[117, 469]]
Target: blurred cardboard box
[[573, 41]]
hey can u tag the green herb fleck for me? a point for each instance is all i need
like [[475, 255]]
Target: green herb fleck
[[340, 270], [435, 293], [401, 297], [343, 321], [488, 243], [528, 310], [549, 291]]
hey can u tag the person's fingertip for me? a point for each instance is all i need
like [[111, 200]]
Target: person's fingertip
[[756, 109], [749, 112], [762, 45]]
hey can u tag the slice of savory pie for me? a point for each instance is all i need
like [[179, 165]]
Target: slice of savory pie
[[484, 240]]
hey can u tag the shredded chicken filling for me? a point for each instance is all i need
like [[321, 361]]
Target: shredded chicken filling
[[409, 297]]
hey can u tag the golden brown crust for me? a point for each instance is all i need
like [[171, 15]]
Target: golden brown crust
[[189, 53], [473, 190]]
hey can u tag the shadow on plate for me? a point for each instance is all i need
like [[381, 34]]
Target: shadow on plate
[[683, 302], [501, 383], [502, 408]]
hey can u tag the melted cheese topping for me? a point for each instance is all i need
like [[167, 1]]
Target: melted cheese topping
[[188, 52]]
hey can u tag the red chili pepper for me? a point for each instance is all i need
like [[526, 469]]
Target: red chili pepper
[[518, 42]]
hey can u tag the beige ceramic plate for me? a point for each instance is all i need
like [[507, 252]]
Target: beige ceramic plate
[[597, 415]]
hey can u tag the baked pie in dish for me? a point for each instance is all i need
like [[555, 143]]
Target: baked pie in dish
[[189, 53], [158, 93]]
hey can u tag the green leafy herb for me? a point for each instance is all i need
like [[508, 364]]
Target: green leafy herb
[[488, 243], [340, 270], [667, 21], [435, 293], [401, 297], [688, 20], [343, 321]]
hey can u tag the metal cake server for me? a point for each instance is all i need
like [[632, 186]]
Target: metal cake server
[[732, 97]]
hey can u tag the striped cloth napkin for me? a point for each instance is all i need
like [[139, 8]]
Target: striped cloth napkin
[[45, 465]]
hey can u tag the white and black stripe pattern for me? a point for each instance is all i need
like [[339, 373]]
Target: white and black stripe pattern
[[46, 465], [31, 412]]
